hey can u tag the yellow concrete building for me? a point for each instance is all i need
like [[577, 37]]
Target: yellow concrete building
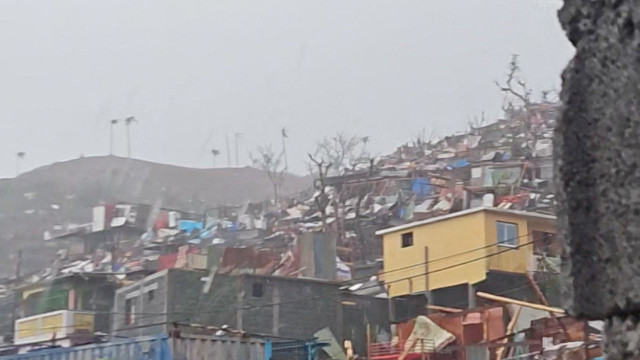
[[461, 248]]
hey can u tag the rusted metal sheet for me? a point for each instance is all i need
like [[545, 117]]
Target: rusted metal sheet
[[495, 323]]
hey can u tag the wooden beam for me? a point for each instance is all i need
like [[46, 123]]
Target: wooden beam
[[543, 300], [521, 303], [510, 326], [444, 309]]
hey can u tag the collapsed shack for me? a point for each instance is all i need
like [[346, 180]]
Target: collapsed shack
[[509, 330]]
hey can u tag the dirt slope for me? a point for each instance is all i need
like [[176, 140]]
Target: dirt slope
[[63, 192]]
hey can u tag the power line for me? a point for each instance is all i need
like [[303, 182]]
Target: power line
[[459, 264]]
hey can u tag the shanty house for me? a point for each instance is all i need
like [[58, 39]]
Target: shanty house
[[255, 304], [445, 259], [65, 310]]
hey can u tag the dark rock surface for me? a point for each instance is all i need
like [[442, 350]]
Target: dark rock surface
[[623, 337], [598, 157], [598, 168]]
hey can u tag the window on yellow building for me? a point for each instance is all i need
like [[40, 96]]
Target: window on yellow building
[[407, 239], [507, 234]]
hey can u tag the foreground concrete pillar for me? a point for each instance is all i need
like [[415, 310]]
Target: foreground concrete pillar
[[598, 168]]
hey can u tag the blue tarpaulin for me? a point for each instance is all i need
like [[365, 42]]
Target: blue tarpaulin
[[420, 186], [189, 226], [460, 163]]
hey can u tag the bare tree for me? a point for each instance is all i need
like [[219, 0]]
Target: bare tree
[[265, 159], [523, 93], [321, 198], [341, 150], [520, 92], [476, 123]]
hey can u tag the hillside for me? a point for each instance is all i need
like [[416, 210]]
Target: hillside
[[56, 194]]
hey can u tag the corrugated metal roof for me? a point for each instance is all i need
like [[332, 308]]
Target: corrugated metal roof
[[528, 214]]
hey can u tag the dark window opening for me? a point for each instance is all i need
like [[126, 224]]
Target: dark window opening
[[407, 239], [151, 295], [257, 290], [547, 244]]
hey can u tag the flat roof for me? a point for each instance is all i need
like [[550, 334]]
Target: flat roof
[[528, 214]]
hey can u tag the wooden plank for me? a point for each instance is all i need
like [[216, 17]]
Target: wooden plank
[[519, 302], [543, 300], [444, 309], [510, 326]]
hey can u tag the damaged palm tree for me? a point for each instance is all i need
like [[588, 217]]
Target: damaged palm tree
[[215, 153], [19, 158], [128, 122]]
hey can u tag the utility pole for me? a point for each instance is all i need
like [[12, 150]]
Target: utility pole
[[284, 148], [113, 123], [18, 264], [128, 121], [228, 151], [237, 135]]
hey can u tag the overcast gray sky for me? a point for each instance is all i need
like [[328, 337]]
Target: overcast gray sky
[[193, 71]]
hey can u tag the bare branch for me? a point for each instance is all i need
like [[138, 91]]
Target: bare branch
[[265, 159], [341, 150], [508, 88]]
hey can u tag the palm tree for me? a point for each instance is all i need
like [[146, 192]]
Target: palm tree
[[284, 148], [128, 121], [114, 122], [215, 153], [19, 157], [365, 140], [237, 136]]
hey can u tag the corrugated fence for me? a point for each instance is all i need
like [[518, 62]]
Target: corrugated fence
[[195, 347], [185, 347], [148, 348]]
